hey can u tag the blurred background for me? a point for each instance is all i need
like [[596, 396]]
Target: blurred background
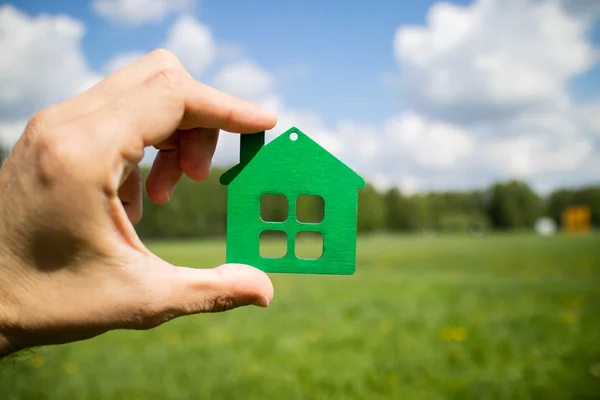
[[477, 127]]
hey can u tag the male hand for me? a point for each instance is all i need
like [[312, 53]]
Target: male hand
[[71, 264]]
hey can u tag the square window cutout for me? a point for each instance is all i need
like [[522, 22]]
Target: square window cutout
[[309, 245], [273, 244], [310, 209], [273, 207]]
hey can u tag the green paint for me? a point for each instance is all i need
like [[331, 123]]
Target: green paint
[[291, 168]]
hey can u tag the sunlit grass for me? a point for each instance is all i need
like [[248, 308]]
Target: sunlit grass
[[501, 316]]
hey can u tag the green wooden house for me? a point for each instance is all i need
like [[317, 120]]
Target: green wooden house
[[291, 165]]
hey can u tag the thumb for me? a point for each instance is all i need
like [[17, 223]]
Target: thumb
[[222, 288], [177, 291]]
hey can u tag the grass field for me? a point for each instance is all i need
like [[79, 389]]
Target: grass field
[[495, 317]]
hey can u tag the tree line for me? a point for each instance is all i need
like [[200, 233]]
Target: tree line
[[199, 209]]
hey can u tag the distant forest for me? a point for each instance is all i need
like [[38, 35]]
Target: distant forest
[[198, 209]]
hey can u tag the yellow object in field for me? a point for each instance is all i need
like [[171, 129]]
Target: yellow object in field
[[577, 220]]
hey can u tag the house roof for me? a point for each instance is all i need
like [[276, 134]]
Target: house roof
[[282, 143]]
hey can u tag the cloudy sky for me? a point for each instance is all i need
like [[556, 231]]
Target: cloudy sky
[[419, 94]]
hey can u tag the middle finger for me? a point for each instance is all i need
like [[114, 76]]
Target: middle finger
[[196, 150]]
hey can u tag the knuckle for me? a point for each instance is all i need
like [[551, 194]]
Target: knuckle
[[165, 58], [169, 78], [44, 116], [39, 123], [58, 153], [46, 144], [166, 84]]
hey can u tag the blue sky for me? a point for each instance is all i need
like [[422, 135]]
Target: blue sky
[[319, 38], [339, 62], [315, 39]]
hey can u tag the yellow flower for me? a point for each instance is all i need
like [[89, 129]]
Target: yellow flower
[[37, 360], [71, 368], [454, 333]]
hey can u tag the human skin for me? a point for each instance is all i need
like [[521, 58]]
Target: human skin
[[71, 264]]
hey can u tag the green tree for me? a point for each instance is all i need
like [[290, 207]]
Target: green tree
[[424, 210], [561, 199], [460, 211], [513, 205], [197, 209], [590, 196], [398, 211], [371, 211], [557, 202]]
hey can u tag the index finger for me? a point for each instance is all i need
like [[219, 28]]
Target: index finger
[[170, 100], [207, 107], [120, 82]]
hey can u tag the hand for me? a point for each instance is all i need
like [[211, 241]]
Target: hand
[[71, 264]]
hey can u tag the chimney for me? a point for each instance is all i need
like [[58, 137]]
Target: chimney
[[250, 144]]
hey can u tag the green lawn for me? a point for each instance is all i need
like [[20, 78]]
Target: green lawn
[[496, 317]]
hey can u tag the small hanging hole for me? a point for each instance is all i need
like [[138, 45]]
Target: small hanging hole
[[293, 136]]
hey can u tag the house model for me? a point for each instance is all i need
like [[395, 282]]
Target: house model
[[292, 165]]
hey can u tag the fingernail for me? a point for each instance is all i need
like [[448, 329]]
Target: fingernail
[[264, 302], [170, 193]]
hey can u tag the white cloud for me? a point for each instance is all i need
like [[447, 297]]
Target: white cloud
[[189, 39], [230, 52], [136, 12], [121, 60], [526, 156], [431, 144], [491, 59], [488, 88], [11, 131], [192, 42], [244, 79], [42, 64], [407, 184], [591, 117]]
